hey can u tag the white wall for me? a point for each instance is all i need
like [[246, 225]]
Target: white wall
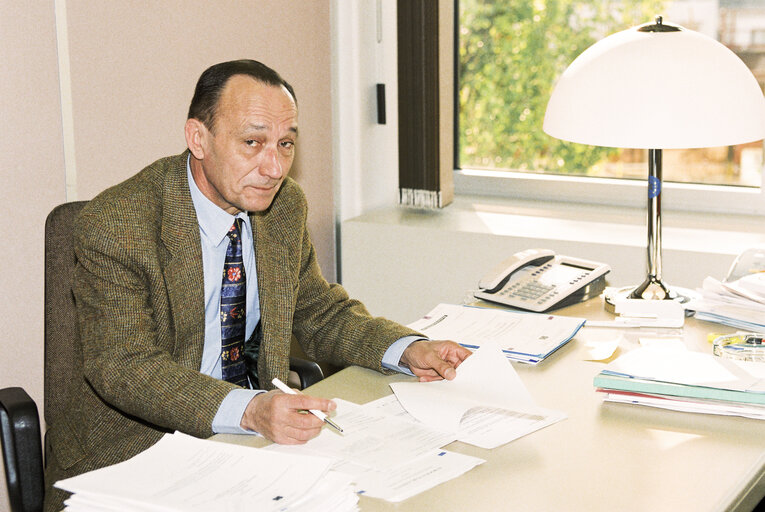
[[401, 263], [366, 153], [31, 163]]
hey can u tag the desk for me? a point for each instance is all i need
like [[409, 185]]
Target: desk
[[603, 457]]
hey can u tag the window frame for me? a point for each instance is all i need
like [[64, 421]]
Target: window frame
[[596, 191], [625, 192]]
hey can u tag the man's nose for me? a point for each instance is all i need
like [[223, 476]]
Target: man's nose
[[271, 165]]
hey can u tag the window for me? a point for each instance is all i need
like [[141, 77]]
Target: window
[[509, 55]]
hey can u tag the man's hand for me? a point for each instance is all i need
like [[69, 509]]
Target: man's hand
[[434, 360], [283, 418]]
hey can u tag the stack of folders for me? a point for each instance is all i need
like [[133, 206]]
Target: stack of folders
[[685, 381], [739, 303]]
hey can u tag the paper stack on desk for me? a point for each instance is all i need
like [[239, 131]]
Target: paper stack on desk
[[524, 337], [686, 381], [393, 455], [387, 457], [739, 303], [183, 473]]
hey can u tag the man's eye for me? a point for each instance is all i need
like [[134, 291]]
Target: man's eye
[[288, 144], [250, 142]]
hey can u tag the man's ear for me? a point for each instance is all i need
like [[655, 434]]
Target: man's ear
[[196, 136]]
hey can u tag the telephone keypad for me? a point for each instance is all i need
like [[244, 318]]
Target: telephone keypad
[[530, 290]]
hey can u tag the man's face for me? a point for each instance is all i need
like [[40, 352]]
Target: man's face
[[241, 164]]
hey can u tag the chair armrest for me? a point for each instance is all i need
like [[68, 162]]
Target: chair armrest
[[308, 372], [22, 450]]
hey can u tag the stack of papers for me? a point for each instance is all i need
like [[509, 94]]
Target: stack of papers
[[387, 457], [739, 303], [392, 447], [686, 381], [181, 472], [524, 337]]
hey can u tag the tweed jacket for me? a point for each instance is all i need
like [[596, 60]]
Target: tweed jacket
[[139, 293]]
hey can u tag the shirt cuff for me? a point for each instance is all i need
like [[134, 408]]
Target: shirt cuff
[[392, 356], [228, 419]]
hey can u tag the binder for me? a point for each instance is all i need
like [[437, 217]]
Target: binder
[[608, 381]]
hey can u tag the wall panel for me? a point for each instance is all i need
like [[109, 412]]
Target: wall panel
[[134, 65], [32, 170]]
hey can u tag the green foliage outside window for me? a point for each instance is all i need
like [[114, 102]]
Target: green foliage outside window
[[511, 52]]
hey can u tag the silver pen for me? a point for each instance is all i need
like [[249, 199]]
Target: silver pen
[[319, 414]]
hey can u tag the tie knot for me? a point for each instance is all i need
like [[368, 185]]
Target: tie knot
[[234, 232]]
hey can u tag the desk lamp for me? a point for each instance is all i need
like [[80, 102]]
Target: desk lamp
[[656, 86]]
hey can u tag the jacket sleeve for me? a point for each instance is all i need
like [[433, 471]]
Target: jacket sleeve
[[329, 325]]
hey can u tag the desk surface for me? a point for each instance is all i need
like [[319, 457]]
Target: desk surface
[[605, 456]]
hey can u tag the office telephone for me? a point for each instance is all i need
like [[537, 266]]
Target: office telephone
[[538, 280]]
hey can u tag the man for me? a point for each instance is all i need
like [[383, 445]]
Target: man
[[192, 277]]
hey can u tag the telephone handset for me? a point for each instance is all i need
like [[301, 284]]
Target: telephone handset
[[538, 280]]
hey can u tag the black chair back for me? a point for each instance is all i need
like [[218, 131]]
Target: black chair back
[[63, 355]]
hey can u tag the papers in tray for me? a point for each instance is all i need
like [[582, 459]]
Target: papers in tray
[[740, 303], [687, 381], [525, 337], [185, 473]]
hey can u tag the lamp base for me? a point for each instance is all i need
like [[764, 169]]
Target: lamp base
[[649, 290]]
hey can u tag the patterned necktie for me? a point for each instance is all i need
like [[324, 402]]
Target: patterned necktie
[[233, 313]]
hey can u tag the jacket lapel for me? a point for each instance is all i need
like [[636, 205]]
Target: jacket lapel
[[275, 289], [182, 265]]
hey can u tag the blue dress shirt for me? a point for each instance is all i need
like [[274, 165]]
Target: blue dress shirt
[[214, 223]]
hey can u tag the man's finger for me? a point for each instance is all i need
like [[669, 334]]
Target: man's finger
[[305, 402], [442, 367], [292, 435]]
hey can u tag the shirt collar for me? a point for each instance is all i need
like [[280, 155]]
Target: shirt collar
[[214, 222]]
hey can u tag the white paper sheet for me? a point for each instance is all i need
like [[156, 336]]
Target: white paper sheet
[[485, 379], [386, 453], [485, 427], [489, 428], [371, 439], [602, 350], [184, 473], [413, 477], [681, 366], [528, 337]]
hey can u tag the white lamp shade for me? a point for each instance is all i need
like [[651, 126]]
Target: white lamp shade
[[657, 90]]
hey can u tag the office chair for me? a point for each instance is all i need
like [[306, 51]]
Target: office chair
[[19, 421]]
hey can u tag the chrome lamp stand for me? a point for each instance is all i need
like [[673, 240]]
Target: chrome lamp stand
[[653, 288]]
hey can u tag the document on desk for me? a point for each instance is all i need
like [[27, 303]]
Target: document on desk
[[524, 337], [386, 456], [486, 404], [184, 473], [411, 477], [372, 439]]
